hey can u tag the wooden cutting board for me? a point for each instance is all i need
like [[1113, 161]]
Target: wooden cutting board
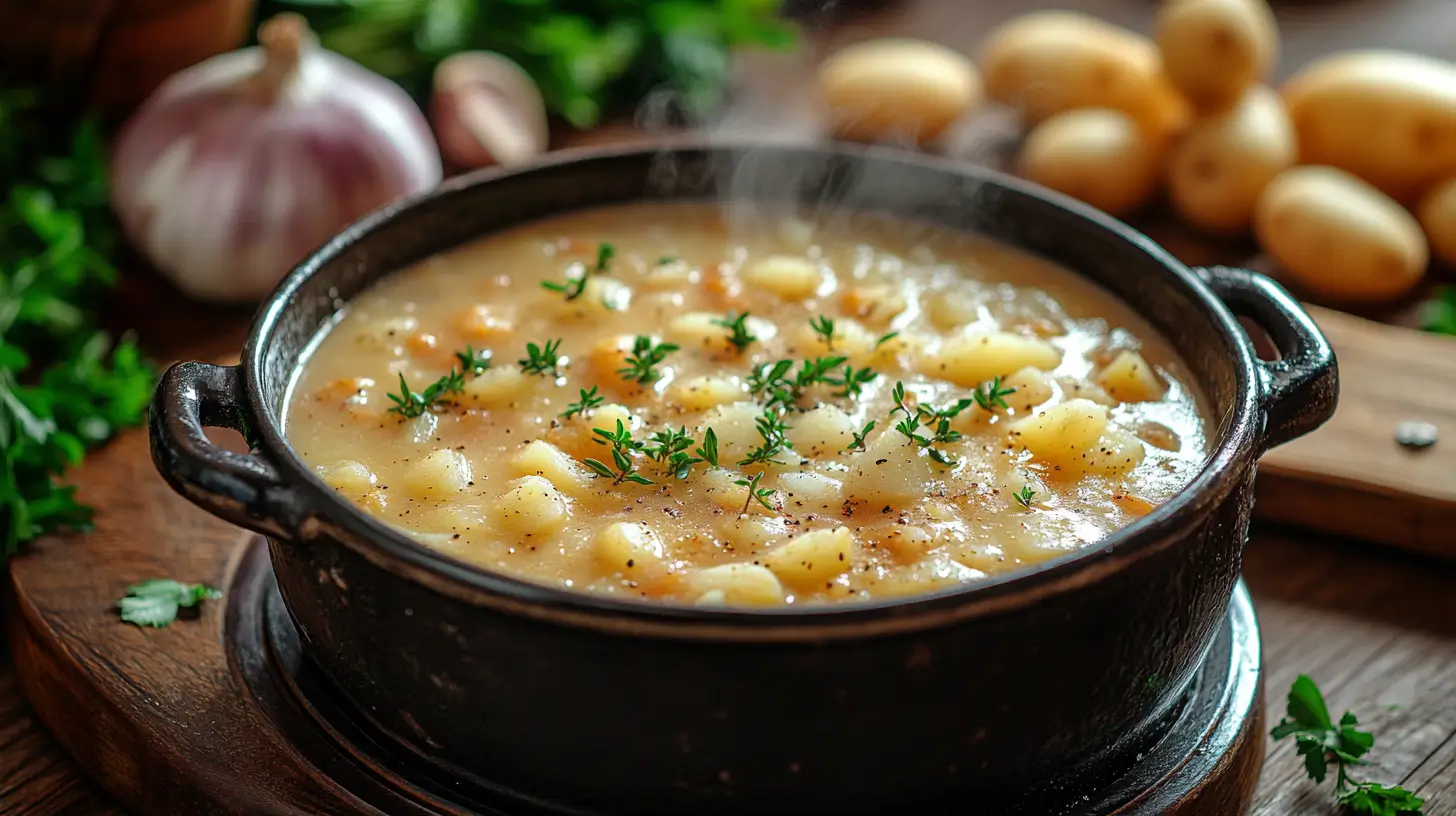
[[1351, 477]]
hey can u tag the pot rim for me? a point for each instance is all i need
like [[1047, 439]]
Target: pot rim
[[396, 551]]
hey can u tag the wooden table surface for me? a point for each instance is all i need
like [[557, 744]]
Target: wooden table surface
[[1376, 628]]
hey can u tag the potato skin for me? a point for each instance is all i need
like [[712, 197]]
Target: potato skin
[[1338, 238], [1214, 50], [1223, 163], [1437, 213], [1046, 63], [897, 88], [1097, 155], [1385, 116]]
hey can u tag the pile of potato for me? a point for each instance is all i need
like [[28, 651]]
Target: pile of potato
[[1346, 174]]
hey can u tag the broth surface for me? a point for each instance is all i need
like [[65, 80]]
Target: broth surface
[[1018, 411]]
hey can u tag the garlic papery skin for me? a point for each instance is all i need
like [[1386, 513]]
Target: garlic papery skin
[[238, 167]]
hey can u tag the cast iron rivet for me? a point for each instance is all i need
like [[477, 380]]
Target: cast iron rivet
[[1418, 435]]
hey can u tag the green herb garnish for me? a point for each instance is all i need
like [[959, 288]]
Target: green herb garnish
[[859, 437], [824, 327], [156, 602], [64, 386], [623, 446], [409, 404], [1439, 313], [1322, 742], [709, 449], [473, 362], [670, 447], [991, 396], [574, 287], [542, 359], [583, 406], [772, 428], [755, 494], [852, 382], [885, 338], [588, 59], [642, 363], [1025, 496], [666, 259], [936, 420], [769, 377], [737, 326]]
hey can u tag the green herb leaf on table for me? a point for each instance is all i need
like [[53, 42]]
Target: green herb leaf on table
[[1439, 313], [1321, 743], [64, 386], [156, 602], [588, 59]]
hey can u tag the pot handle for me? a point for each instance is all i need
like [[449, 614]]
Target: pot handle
[[1300, 389], [243, 489]]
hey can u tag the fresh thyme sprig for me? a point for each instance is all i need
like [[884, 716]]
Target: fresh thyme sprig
[[709, 449], [991, 395], [767, 378], [859, 437], [473, 362], [1025, 496], [574, 287], [885, 338], [824, 327], [410, 404], [772, 427], [588, 401], [853, 381], [935, 420], [623, 447], [1321, 741], [646, 355], [760, 495], [542, 359], [670, 447], [737, 327]]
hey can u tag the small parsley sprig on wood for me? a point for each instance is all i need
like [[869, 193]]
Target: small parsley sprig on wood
[[644, 358], [991, 395], [574, 287], [738, 333], [623, 447], [1322, 742], [589, 400], [157, 601], [756, 494], [542, 360]]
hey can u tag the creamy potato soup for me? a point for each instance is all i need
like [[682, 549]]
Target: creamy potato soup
[[711, 406]]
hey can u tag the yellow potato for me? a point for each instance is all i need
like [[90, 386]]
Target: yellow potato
[[1224, 162], [1049, 62], [1386, 116], [1438, 215], [1339, 238], [897, 89], [1097, 155], [1213, 50]]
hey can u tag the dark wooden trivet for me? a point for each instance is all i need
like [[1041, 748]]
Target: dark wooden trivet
[[220, 714]]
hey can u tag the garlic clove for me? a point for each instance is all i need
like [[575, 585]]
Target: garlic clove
[[487, 110]]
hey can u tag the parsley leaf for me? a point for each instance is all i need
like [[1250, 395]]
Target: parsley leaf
[[1322, 743], [64, 385], [156, 602]]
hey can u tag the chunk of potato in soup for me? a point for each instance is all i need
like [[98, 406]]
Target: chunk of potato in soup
[[727, 407]]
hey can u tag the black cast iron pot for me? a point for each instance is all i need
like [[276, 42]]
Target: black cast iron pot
[[989, 697]]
